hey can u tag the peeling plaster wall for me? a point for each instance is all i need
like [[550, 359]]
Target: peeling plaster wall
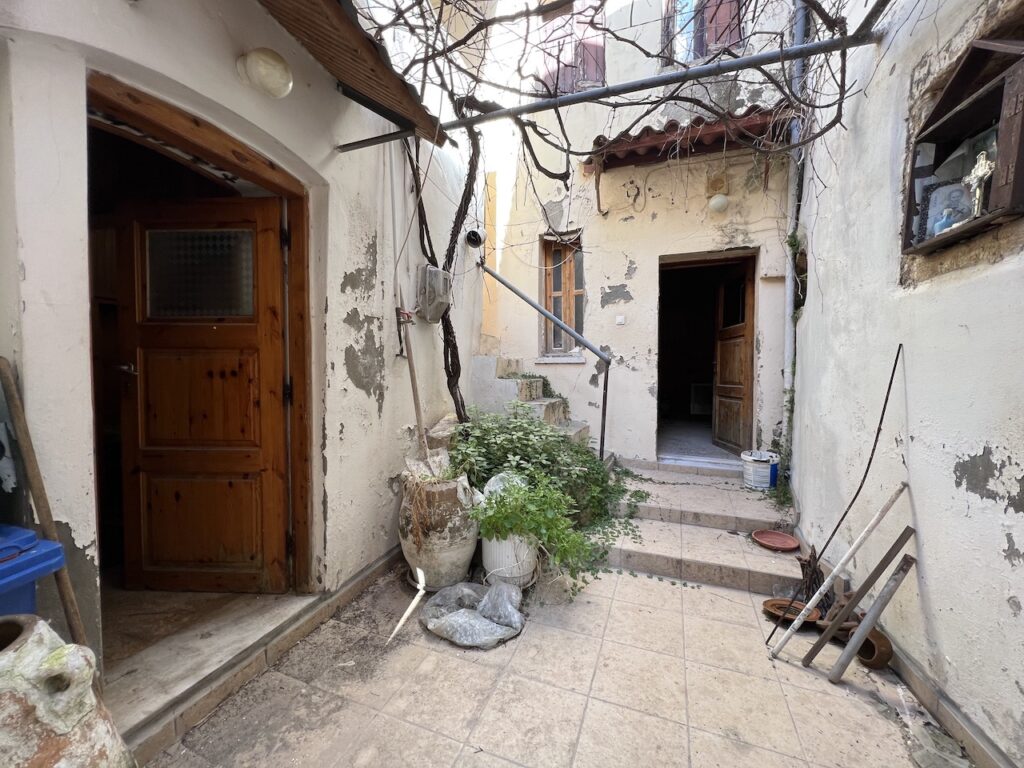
[[184, 52], [954, 429], [653, 211]]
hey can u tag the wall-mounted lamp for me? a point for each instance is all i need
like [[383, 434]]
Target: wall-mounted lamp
[[718, 203], [266, 71]]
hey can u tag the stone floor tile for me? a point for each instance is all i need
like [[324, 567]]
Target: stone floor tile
[[719, 603], [708, 750], [735, 647], [178, 757], [473, 757], [858, 680], [369, 671], [277, 720], [741, 707], [586, 614], [381, 606], [531, 723], [603, 585], [556, 656], [390, 742], [616, 736], [650, 682], [651, 591], [444, 694], [652, 629], [839, 732]]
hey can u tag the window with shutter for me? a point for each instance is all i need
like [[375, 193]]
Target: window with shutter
[[564, 294], [571, 50], [696, 28]]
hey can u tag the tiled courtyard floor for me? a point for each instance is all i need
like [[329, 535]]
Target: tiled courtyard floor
[[634, 672]]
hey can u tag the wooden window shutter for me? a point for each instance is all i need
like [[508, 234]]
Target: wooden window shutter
[[589, 58]]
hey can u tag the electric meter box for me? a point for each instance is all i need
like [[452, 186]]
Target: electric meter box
[[433, 292]]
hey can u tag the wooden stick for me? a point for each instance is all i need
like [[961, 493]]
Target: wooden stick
[[827, 584], [854, 601], [39, 500]]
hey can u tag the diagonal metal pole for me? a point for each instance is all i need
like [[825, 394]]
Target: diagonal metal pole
[[690, 74]]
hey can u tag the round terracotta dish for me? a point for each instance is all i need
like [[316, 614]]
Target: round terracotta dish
[[774, 607], [775, 540]]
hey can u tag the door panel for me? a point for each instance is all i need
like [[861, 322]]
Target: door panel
[[732, 408], [202, 406]]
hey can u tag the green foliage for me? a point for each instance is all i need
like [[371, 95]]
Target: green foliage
[[541, 514], [564, 475]]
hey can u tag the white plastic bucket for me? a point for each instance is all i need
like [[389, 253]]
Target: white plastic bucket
[[760, 469], [512, 560]]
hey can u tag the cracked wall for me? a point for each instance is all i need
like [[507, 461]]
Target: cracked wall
[[954, 429]]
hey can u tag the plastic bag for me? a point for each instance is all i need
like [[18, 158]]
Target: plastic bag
[[473, 615], [501, 605], [497, 483]]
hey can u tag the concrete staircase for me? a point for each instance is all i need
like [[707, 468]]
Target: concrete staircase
[[497, 381], [696, 527]]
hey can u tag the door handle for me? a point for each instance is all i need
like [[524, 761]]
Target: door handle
[[128, 368]]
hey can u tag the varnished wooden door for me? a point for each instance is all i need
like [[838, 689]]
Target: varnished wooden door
[[732, 407], [203, 412]]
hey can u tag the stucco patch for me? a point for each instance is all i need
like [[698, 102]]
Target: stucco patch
[[362, 279], [554, 210], [615, 294], [1012, 554], [1015, 607], [364, 362], [990, 477], [630, 269]]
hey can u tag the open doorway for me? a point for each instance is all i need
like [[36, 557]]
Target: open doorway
[[705, 359]]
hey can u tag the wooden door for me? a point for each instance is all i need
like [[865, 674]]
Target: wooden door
[[732, 407], [203, 433]]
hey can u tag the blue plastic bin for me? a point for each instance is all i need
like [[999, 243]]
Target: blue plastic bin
[[24, 558]]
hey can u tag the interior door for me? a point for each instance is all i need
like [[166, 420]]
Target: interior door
[[203, 433], [732, 407]]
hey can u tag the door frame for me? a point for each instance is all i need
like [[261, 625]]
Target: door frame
[[161, 121], [747, 256]]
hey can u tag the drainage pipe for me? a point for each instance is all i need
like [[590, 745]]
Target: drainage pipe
[[690, 74], [871, 618], [840, 566], [796, 168]]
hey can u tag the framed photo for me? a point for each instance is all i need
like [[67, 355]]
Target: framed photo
[[937, 198]]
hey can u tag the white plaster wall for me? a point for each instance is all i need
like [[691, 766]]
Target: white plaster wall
[[957, 393], [184, 52], [623, 246]]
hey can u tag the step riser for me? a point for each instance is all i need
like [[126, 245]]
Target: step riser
[[705, 519], [709, 468], [530, 389], [553, 411], [713, 574]]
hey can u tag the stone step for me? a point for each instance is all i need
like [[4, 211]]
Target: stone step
[[728, 519], [693, 465], [529, 388], [712, 556], [578, 431], [552, 410]]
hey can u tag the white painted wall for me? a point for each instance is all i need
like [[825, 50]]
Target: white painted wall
[[957, 392], [184, 52], [624, 246]]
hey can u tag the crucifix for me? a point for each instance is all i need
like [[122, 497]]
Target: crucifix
[[975, 180]]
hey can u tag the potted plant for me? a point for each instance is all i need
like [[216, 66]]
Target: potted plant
[[523, 518], [436, 530]]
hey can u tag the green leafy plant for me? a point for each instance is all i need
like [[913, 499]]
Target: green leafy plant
[[541, 514], [547, 459]]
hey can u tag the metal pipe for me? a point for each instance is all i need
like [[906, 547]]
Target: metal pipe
[[603, 356], [871, 618], [827, 584], [699, 72], [604, 411], [795, 173], [854, 601]]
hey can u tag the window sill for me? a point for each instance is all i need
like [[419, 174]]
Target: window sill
[[560, 360]]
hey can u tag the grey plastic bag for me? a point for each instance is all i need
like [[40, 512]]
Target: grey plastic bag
[[474, 616], [501, 605], [469, 629]]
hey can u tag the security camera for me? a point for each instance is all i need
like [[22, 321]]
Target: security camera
[[475, 238]]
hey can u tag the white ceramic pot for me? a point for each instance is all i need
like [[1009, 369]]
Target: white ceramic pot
[[512, 560]]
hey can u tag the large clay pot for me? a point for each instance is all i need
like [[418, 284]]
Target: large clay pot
[[437, 534], [49, 714]]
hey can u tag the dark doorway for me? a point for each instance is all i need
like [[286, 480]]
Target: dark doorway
[[705, 331]]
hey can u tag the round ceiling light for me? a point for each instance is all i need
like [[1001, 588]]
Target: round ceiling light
[[267, 71]]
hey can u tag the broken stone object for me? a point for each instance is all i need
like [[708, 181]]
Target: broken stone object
[[454, 613], [48, 709]]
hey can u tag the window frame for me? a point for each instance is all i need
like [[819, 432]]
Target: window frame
[[576, 50], [698, 46], [1005, 188], [568, 293]]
